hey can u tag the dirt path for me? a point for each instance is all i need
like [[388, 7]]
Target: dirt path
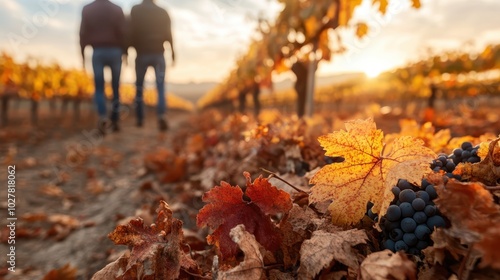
[[72, 187]]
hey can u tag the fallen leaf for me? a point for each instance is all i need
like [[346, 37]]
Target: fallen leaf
[[252, 266], [363, 176], [66, 272], [487, 170], [226, 209], [472, 211], [318, 252], [388, 265], [155, 250]]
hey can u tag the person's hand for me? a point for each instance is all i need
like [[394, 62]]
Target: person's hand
[[125, 60]]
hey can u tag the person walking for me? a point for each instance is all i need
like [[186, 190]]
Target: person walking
[[150, 28], [103, 27]]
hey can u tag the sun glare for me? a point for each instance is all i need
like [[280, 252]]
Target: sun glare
[[372, 71]]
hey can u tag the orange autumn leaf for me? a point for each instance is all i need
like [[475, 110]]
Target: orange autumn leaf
[[369, 170], [227, 209], [472, 211]]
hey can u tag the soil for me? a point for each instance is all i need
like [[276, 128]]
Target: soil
[[64, 167]]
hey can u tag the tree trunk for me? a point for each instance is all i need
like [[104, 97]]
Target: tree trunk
[[311, 74], [34, 112], [76, 109], [5, 110]]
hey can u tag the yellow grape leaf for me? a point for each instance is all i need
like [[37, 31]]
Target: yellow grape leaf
[[369, 170], [347, 10], [361, 30], [382, 5], [416, 4]]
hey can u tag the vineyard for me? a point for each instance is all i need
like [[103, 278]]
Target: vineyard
[[389, 177]]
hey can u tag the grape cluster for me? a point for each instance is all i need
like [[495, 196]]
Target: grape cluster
[[411, 218], [447, 163]]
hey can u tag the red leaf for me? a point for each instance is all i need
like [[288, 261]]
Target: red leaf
[[155, 250], [270, 199], [227, 209]]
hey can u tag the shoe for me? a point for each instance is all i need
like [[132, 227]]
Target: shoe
[[102, 126], [162, 125], [115, 127]]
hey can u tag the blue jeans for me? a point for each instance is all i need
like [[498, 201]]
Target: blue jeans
[[142, 62], [111, 57]]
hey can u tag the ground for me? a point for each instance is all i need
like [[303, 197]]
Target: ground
[[72, 186]]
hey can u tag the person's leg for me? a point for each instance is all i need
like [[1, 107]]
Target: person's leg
[[141, 66], [98, 67], [160, 70], [115, 63]]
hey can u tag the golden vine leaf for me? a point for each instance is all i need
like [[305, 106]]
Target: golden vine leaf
[[369, 170]]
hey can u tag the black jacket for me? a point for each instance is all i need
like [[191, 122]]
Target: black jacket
[[103, 25], [150, 28]]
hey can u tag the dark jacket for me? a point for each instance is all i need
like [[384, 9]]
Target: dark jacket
[[103, 25], [150, 28]]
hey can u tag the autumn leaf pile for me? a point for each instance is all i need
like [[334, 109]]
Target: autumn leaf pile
[[299, 217]]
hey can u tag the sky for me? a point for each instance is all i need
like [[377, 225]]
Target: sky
[[210, 34]]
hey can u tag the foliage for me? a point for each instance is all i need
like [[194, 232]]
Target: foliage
[[369, 170]]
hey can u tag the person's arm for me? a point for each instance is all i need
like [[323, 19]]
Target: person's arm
[[83, 36], [122, 31], [168, 35]]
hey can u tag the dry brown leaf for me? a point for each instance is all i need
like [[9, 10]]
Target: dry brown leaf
[[388, 265], [473, 213], [488, 170], [363, 176], [324, 247], [155, 250], [52, 190], [252, 266], [66, 272]]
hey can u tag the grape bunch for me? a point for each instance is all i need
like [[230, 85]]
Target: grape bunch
[[411, 218], [447, 163]]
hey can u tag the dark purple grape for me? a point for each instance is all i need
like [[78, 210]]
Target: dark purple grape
[[431, 191], [424, 196], [420, 217], [393, 213], [389, 244], [443, 159], [407, 195], [436, 163], [396, 191], [403, 184], [430, 210], [410, 239], [466, 145], [371, 214], [406, 210], [396, 234], [400, 246], [408, 224], [422, 244], [425, 183], [435, 221], [465, 155], [474, 159], [422, 232], [418, 204], [450, 166], [449, 175], [458, 152]]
